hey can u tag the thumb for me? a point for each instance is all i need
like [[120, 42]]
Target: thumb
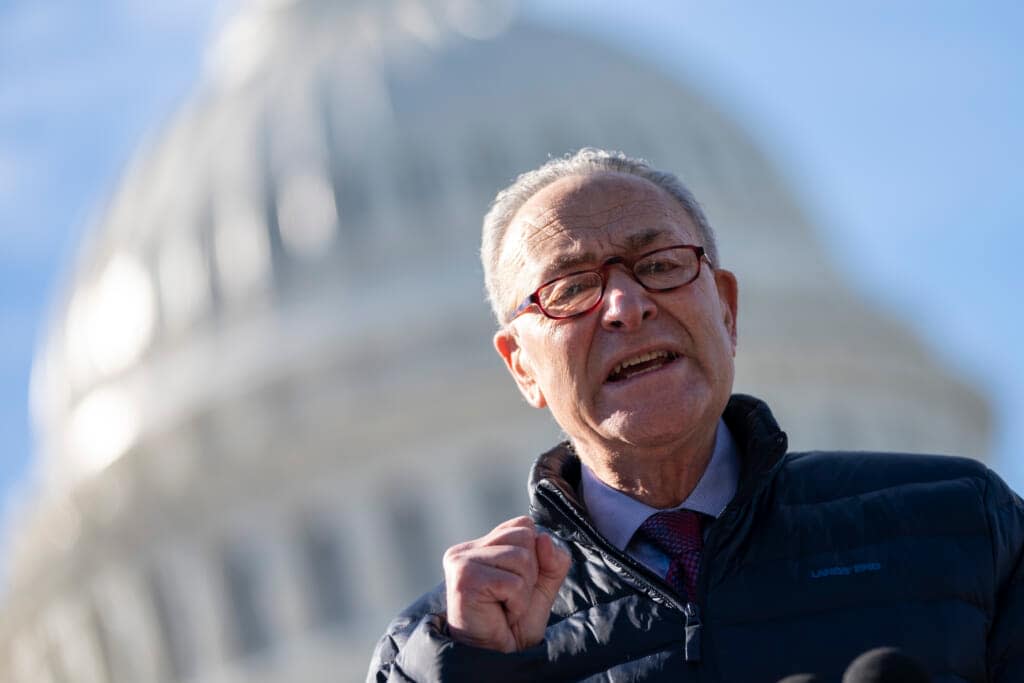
[[552, 565], [553, 562]]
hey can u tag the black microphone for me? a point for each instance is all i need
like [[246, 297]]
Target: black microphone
[[885, 665]]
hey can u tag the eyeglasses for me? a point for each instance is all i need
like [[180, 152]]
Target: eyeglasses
[[578, 293]]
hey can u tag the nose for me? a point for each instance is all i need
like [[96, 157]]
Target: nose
[[626, 303]]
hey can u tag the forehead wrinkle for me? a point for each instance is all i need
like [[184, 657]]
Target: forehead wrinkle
[[542, 231], [556, 220], [611, 214], [633, 242]]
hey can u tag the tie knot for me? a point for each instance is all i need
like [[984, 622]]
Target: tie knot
[[677, 534], [674, 532]]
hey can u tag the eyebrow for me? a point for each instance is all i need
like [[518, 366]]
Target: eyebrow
[[644, 239], [634, 242]]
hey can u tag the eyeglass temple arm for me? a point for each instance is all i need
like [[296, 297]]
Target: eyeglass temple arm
[[527, 302]]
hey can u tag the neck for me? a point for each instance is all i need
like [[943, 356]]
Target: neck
[[662, 477]]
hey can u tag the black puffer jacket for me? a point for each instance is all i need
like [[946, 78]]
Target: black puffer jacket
[[820, 557]]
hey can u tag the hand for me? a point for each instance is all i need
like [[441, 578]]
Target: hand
[[501, 587]]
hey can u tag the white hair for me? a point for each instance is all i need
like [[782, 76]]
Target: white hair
[[586, 161]]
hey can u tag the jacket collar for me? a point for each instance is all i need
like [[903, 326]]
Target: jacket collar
[[557, 472]]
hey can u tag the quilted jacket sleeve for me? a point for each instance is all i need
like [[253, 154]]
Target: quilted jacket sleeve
[[1006, 637], [417, 648]]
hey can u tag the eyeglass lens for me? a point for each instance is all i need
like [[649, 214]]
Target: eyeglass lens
[[577, 293]]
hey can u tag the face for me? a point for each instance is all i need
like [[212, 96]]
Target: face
[[575, 366]]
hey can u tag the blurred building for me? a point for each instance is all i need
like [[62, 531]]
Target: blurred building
[[267, 400]]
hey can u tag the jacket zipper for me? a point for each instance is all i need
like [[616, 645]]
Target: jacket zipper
[[690, 609], [691, 645]]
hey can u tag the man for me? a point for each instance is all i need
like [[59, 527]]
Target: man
[[673, 537]]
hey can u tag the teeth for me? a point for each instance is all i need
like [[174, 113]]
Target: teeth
[[636, 360]]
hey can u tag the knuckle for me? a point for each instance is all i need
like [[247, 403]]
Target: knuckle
[[517, 585], [519, 536], [524, 525], [451, 556], [455, 560], [520, 522], [459, 550], [521, 556]]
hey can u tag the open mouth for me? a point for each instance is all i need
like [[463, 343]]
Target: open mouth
[[638, 365]]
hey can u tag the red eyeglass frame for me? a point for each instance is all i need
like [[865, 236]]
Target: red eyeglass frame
[[534, 298]]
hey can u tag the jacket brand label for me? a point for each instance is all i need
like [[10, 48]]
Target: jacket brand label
[[846, 569]]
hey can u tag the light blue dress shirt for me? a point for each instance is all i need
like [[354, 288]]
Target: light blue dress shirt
[[617, 516]]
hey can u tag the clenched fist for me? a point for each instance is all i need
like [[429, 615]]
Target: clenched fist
[[500, 587]]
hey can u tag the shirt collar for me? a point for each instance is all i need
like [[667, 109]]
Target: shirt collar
[[617, 516]]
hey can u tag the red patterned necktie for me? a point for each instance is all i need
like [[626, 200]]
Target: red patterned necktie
[[677, 533]]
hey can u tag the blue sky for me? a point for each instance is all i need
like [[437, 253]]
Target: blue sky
[[897, 123], [81, 84]]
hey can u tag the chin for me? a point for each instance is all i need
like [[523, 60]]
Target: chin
[[644, 430]]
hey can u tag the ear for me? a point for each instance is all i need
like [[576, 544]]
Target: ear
[[728, 297], [507, 346]]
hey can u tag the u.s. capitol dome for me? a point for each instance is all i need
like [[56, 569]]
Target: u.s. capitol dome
[[267, 398]]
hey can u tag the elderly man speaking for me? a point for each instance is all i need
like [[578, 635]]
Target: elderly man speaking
[[672, 537]]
